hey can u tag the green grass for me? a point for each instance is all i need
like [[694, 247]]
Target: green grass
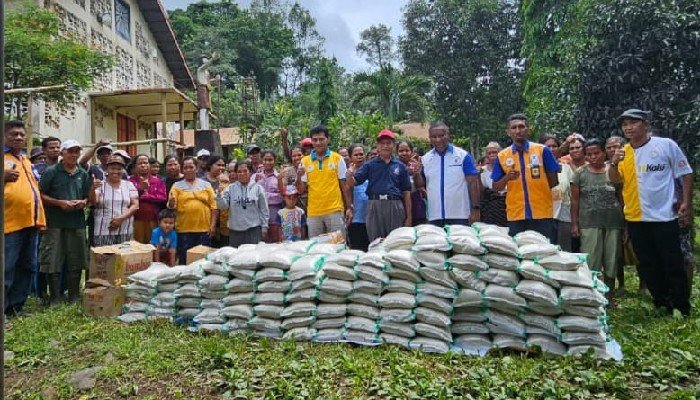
[[157, 360]]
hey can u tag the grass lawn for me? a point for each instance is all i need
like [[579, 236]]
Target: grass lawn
[[157, 360]]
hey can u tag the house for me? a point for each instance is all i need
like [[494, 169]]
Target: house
[[142, 97]]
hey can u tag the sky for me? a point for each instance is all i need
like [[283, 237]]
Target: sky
[[340, 23]]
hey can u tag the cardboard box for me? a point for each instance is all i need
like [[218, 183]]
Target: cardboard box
[[198, 252], [102, 299], [115, 263]]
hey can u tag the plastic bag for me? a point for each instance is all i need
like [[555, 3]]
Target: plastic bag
[[432, 317], [274, 299], [213, 268], [397, 315], [500, 261], [361, 324], [281, 259], [436, 303], [346, 258], [538, 250], [239, 286], [210, 316], [299, 334], [371, 273], [469, 298], [438, 276], [468, 279], [398, 328], [578, 296], [305, 267], [571, 323], [400, 238], [363, 298], [546, 343], [149, 276], [300, 309], [403, 259], [268, 311], [240, 311], [429, 345], [273, 287], [433, 332], [368, 287], [500, 244], [537, 291], [436, 290], [398, 300], [469, 328], [400, 286], [499, 277], [467, 262], [530, 270], [361, 310], [297, 322], [530, 237], [562, 261], [501, 297], [329, 323], [432, 259], [504, 341], [337, 271]]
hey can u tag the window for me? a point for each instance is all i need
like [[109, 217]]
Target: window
[[123, 19]]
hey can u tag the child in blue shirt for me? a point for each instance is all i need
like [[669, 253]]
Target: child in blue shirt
[[291, 218], [164, 238]]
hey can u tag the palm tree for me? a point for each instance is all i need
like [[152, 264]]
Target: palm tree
[[397, 95]]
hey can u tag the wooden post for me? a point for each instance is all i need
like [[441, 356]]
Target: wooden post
[[30, 126], [181, 115], [164, 121], [93, 135]]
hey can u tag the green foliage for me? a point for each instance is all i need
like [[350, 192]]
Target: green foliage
[[398, 95], [159, 360], [326, 92], [348, 127], [470, 50], [36, 54], [377, 45], [645, 56], [588, 61], [255, 40]]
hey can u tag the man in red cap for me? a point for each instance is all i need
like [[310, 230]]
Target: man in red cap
[[388, 191]]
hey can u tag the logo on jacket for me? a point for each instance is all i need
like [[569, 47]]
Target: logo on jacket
[[653, 167]]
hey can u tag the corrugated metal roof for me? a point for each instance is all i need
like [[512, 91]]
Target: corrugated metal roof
[[158, 23]]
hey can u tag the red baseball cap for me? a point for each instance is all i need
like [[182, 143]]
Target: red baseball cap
[[386, 134], [306, 142]]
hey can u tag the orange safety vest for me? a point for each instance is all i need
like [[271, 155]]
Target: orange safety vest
[[529, 196]]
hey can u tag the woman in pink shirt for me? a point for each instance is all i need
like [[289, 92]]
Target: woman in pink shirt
[[269, 180], [152, 198]]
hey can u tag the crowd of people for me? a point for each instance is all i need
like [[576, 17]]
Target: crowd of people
[[603, 198]]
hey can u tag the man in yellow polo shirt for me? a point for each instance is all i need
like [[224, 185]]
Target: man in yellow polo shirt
[[647, 167], [322, 173], [24, 214], [529, 171]]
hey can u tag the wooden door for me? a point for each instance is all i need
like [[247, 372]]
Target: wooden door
[[126, 132]]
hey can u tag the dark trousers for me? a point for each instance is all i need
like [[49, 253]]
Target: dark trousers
[[20, 259], [186, 241], [544, 226], [357, 235], [249, 236], [658, 249]]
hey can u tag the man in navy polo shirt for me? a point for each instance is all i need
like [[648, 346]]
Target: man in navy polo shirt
[[389, 189], [451, 180]]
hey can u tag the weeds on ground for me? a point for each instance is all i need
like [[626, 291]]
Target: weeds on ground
[[157, 360]]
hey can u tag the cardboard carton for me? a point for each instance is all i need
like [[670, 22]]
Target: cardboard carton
[[102, 299], [198, 252], [115, 263]]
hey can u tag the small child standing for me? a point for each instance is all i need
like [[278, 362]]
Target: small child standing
[[291, 218], [164, 238]]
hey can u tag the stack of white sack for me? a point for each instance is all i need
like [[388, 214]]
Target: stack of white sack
[[462, 289]]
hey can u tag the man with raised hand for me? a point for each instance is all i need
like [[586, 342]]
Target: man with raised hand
[[647, 167], [388, 190], [528, 171], [322, 173], [24, 214]]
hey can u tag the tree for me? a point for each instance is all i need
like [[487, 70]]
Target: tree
[[308, 49], [39, 53], [645, 55], [326, 92], [377, 45], [254, 40], [395, 94], [471, 51], [552, 42]]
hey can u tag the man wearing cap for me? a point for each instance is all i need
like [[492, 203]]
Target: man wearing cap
[[388, 190], [253, 154], [24, 214], [529, 171], [647, 167], [202, 158], [37, 157], [104, 150], [451, 180], [322, 173], [66, 189]]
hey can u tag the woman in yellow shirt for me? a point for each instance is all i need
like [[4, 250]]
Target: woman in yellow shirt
[[193, 200]]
